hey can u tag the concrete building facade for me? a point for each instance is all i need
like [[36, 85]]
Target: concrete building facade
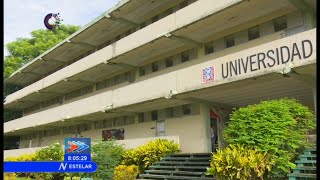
[[165, 69]]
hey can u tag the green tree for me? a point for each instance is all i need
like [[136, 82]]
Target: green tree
[[277, 127], [22, 51]]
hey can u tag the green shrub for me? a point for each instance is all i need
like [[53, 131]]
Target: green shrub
[[276, 126], [54, 152], [10, 176], [239, 162], [148, 154], [23, 157], [107, 155], [123, 172]]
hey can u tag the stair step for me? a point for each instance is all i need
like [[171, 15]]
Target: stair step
[[306, 161], [173, 177], [308, 155], [183, 163], [174, 172], [305, 169], [302, 175], [187, 158], [178, 167], [190, 155], [311, 149]]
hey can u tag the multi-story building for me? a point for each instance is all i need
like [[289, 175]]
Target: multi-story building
[[169, 69]]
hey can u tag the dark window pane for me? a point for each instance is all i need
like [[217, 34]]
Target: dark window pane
[[142, 25], [169, 62], [280, 23], [185, 56], [184, 4], [229, 42], [141, 117], [154, 19], [186, 109], [209, 48], [169, 112], [142, 71], [155, 67], [154, 115], [253, 33]]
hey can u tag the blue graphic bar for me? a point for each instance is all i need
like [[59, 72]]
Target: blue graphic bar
[[77, 157], [70, 166]]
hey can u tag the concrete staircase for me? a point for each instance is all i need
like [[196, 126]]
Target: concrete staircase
[[306, 166], [179, 166]]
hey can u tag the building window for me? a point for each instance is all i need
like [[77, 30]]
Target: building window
[[86, 127], [185, 56], [128, 120], [141, 117], [142, 71], [154, 19], [154, 115], [169, 62], [142, 25], [184, 4], [209, 48], [107, 123], [169, 112], [229, 42], [154, 67], [118, 38], [128, 32], [280, 23], [253, 33], [186, 109], [119, 121], [98, 124]]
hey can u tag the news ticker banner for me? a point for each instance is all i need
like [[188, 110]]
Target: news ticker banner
[[77, 158]]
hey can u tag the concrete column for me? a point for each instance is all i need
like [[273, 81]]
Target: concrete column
[[201, 51], [205, 120]]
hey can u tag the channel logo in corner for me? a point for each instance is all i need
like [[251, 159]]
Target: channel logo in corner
[[77, 145]]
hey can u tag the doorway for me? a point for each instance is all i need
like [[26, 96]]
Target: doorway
[[214, 130]]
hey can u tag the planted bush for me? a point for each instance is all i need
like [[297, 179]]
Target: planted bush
[[148, 154], [277, 127], [107, 155], [23, 157], [54, 152], [239, 162], [123, 172]]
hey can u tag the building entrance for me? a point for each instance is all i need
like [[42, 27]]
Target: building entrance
[[214, 131]]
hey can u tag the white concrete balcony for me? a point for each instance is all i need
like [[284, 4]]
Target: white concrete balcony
[[240, 78], [196, 23]]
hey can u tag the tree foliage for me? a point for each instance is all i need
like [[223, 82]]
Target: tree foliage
[[23, 50], [277, 127], [239, 162]]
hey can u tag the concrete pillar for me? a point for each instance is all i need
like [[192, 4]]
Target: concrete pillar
[[205, 120], [201, 51]]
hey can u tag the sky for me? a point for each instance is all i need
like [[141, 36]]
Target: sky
[[22, 17]]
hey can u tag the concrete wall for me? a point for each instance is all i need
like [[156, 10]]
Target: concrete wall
[[128, 144], [182, 80], [189, 129]]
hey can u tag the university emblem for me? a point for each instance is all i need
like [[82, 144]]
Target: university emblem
[[208, 74]]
